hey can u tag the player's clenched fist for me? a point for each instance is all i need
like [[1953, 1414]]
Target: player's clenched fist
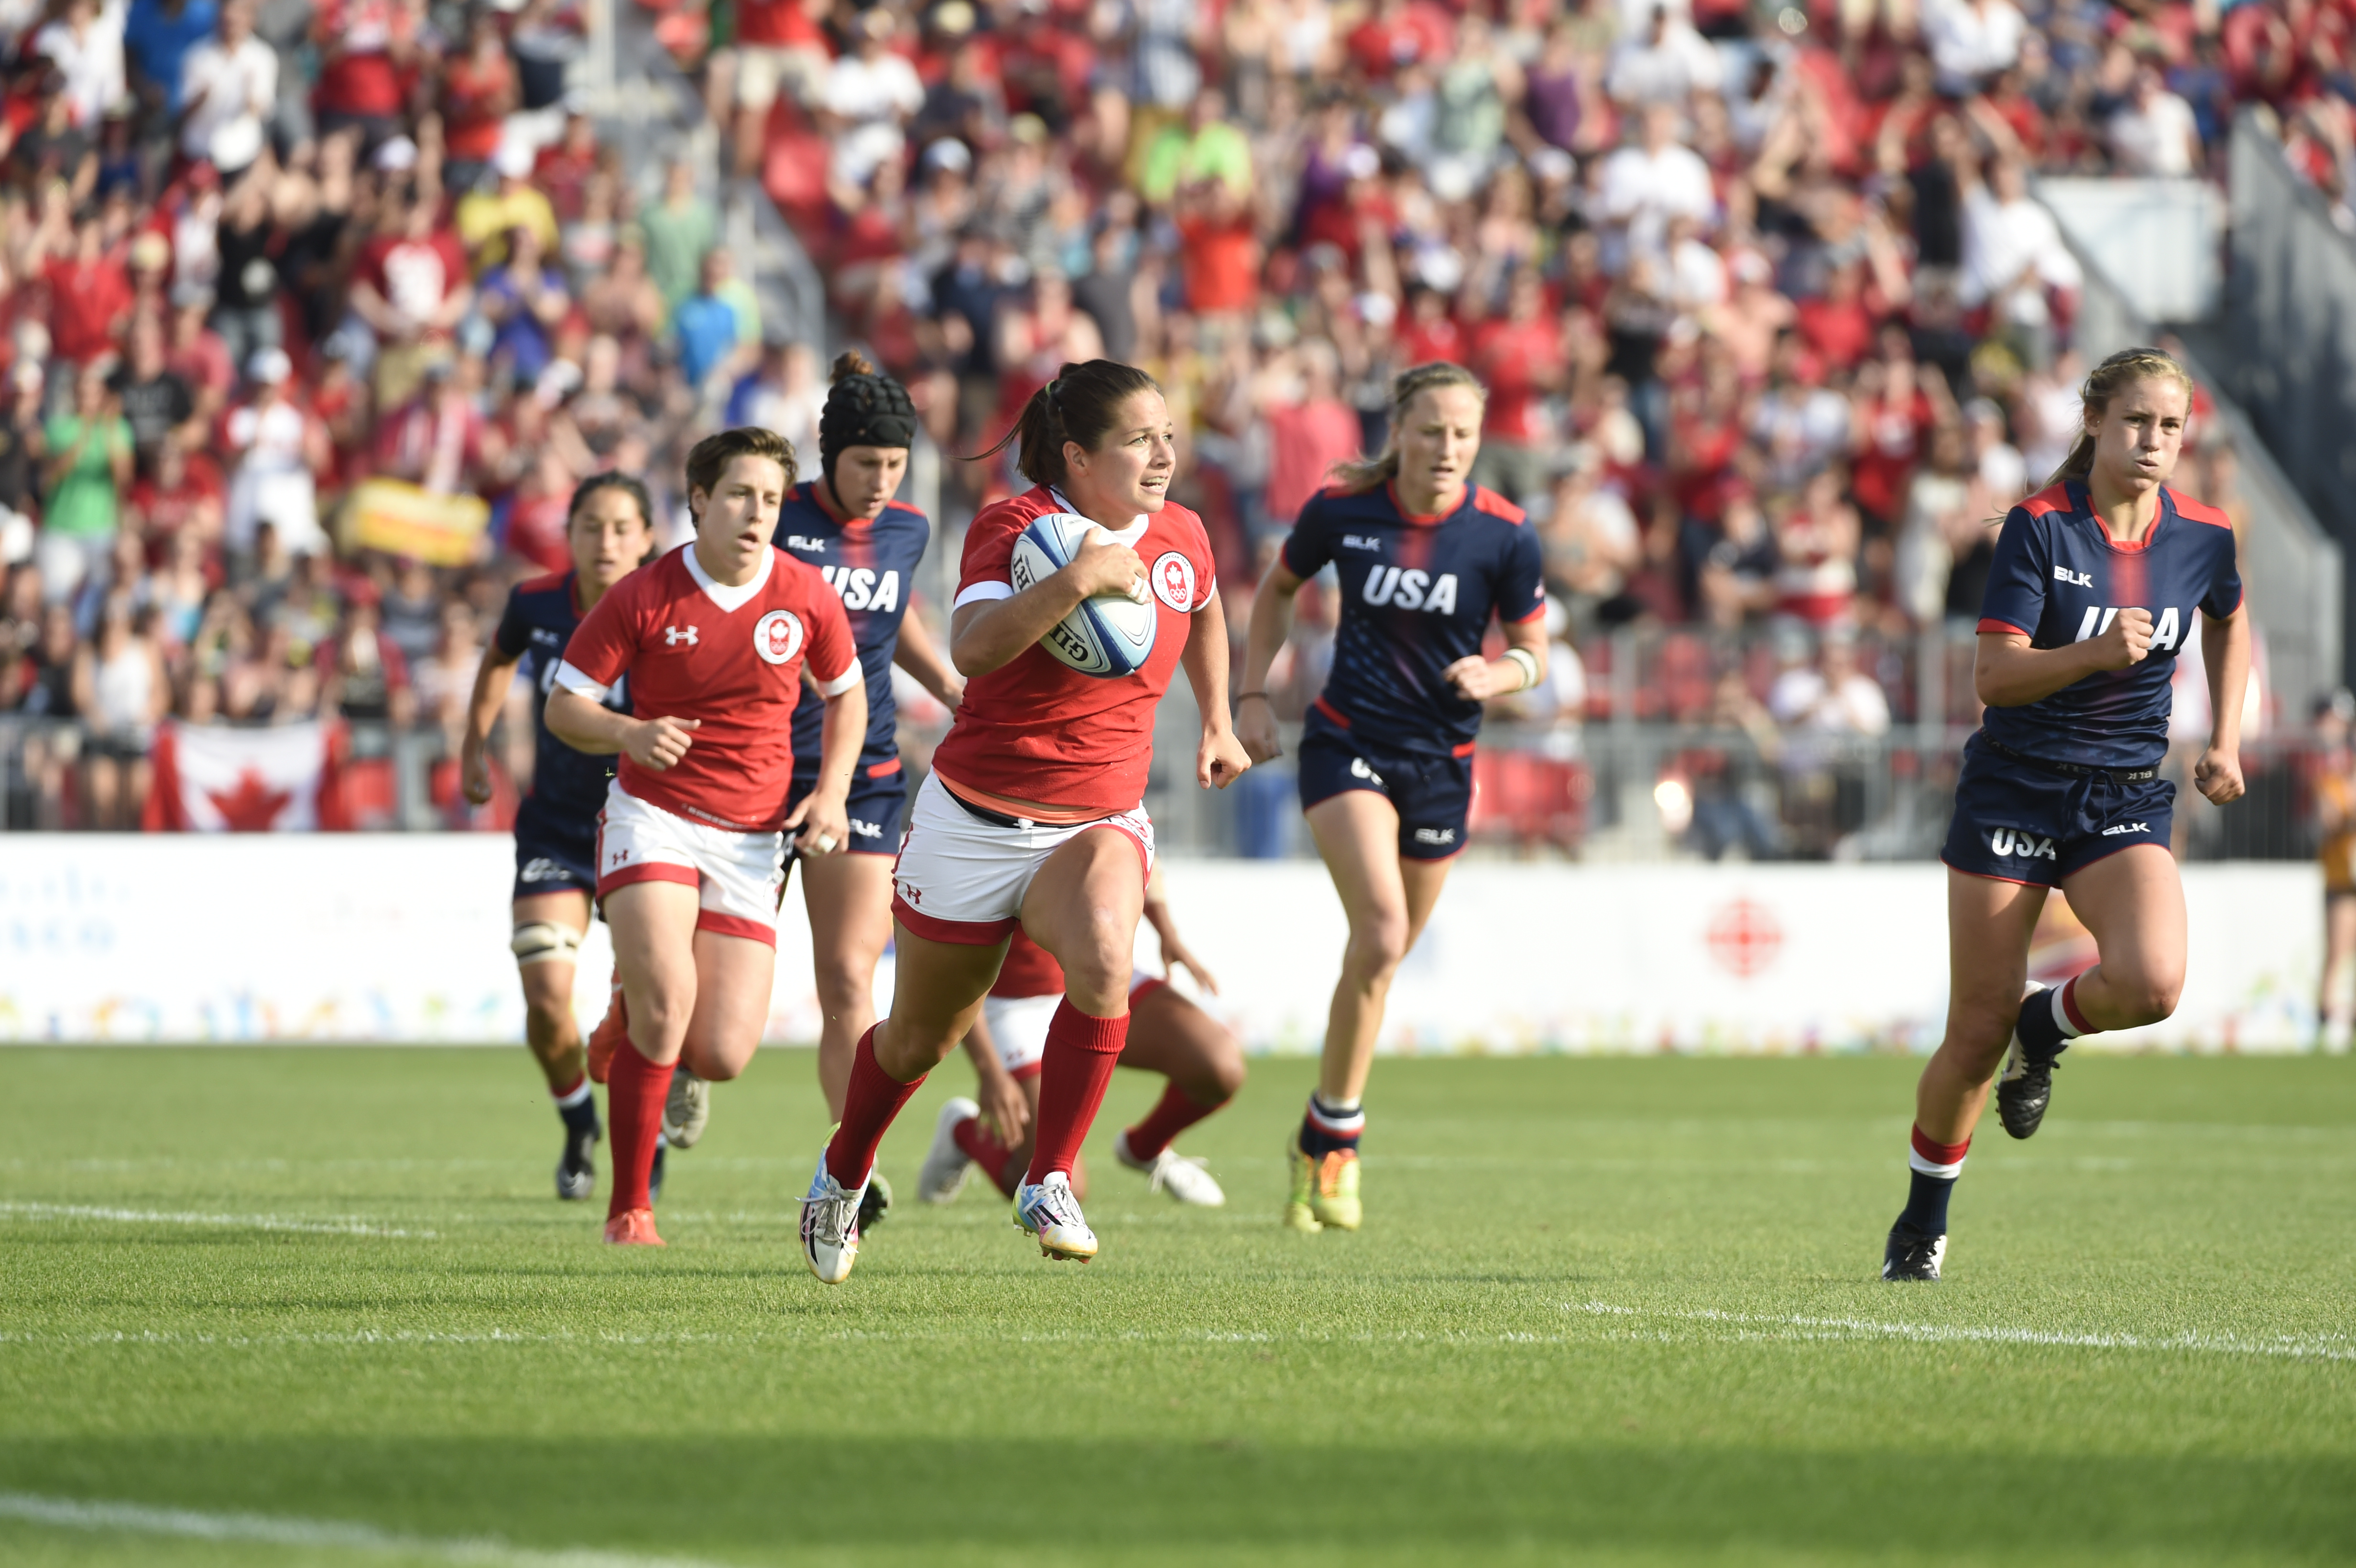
[[2127, 641], [659, 743], [1104, 565]]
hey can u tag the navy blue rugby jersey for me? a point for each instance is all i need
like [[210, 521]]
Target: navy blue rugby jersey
[[2060, 577], [871, 566], [537, 623], [1417, 594]]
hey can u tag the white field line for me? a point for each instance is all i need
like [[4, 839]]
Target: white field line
[[328, 1227], [2334, 1348], [137, 1518]]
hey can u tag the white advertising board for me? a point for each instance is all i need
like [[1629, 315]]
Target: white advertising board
[[404, 938]]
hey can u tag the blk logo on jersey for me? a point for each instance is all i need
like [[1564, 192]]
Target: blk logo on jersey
[[2028, 845], [1361, 541], [1435, 835], [861, 588], [673, 637], [2114, 830], [2167, 629], [1411, 590], [803, 542], [2075, 579], [1173, 581], [778, 637], [540, 869]]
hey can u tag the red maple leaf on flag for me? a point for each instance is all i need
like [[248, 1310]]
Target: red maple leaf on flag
[[253, 806]]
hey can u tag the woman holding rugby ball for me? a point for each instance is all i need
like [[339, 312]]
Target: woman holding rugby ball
[[1032, 815]]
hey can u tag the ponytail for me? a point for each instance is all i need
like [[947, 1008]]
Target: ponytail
[[1362, 474], [2105, 382], [1081, 405]]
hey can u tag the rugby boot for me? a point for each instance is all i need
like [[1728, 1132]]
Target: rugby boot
[[1910, 1256]]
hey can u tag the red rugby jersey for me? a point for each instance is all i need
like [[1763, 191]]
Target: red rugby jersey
[[1036, 729], [731, 657]]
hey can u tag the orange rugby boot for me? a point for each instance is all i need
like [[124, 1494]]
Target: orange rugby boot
[[632, 1228]]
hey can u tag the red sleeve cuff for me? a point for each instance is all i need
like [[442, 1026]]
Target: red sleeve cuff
[[1989, 624]]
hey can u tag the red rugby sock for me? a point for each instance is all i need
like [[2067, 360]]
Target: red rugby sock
[[635, 1091], [874, 1100], [982, 1146], [1172, 1115], [1078, 1062]]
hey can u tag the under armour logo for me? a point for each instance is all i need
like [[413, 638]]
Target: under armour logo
[[673, 637], [912, 894]]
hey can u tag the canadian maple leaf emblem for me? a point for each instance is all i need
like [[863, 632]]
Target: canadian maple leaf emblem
[[253, 806]]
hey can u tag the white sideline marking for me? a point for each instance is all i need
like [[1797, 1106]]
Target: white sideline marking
[[1865, 1329], [70, 1513], [339, 1227]]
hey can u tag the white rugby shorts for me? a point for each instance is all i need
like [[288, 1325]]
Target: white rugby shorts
[[738, 876], [960, 878]]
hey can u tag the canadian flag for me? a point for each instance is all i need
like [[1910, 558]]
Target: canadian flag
[[213, 779]]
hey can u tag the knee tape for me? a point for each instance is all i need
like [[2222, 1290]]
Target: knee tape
[[543, 942]]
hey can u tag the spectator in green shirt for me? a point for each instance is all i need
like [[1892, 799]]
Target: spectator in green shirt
[[1203, 147], [679, 232], [85, 470]]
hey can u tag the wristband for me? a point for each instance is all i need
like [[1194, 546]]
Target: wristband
[[1529, 667]]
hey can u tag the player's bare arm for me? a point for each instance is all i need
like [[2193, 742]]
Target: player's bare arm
[[822, 824], [1271, 619], [2225, 655], [483, 705], [2009, 673], [983, 637], [1523, 664], [587, 726], [1220, 759], [916, 654]]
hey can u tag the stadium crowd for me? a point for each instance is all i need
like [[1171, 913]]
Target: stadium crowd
[[1771, 330]]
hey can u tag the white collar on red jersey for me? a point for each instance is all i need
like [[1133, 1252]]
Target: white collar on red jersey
[[720, 593], [1129, 535]]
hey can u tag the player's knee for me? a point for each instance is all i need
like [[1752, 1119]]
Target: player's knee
[[2148, 997], [1377, 946], [1225, 1078]]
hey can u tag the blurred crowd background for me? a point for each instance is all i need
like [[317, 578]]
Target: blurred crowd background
[[1775, 327]]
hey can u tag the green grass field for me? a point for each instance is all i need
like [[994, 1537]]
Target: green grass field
[[280, 1306]]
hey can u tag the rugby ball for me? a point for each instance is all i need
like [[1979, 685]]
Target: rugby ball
[[1110, 635]]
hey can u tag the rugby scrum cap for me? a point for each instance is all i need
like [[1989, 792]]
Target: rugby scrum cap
[[864, 410]]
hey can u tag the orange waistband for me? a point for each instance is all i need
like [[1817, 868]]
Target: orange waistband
[[1005, 807]]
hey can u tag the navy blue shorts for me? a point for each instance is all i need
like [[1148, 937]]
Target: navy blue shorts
[[1432, 795], [554, 855], [2019, 823], [878, 808]]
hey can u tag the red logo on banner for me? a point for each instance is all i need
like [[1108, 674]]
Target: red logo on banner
[[253, 806], [1744, 937]]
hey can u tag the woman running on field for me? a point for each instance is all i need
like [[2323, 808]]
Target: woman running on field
[[1168, 1034], [609, 527], [716, 639], [2095, 585], [1032, 815], [1426, 558], [845, 526]]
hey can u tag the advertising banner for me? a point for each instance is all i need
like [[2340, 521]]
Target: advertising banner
[[403, 937]]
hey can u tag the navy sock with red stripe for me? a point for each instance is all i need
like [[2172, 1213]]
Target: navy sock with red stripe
[[1326, 1127], [1935, 1166], [2050, 1021]]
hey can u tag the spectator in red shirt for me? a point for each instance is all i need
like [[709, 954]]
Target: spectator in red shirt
[[412, 287], [1401, 33], [183, 495], [1520, 356], [478, 90], [436, 439], [1307, 435], [90, 297], [1222, 250], [365, 48], [1431, 334]]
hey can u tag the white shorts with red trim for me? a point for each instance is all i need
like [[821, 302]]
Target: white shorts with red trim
[[1018, 1025], [960, 878], [738, 876]]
